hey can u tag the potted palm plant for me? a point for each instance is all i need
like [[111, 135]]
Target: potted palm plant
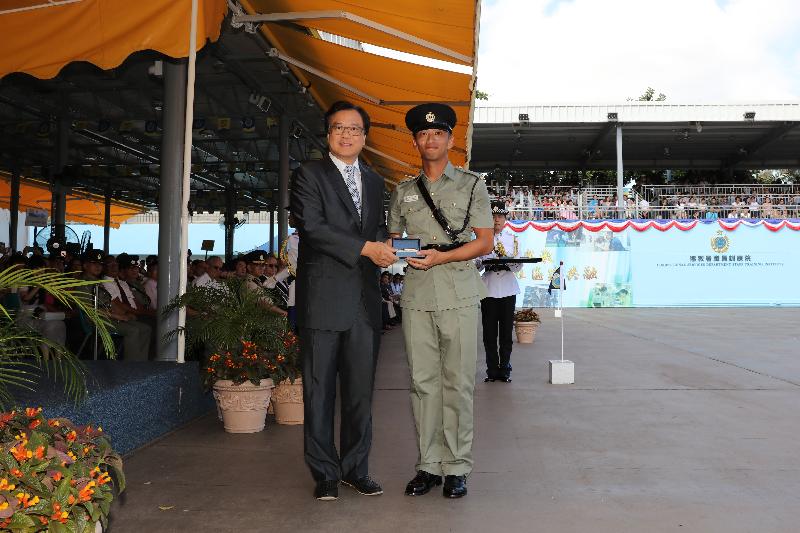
[[22, 358], [244, 343], [525, 323]]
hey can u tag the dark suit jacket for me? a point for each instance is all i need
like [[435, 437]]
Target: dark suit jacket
[[332, 277]]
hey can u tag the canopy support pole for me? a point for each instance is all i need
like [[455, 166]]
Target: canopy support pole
[[620, 178], [272, 230], [187, 173], [170, 204], [13, 223], [283, 179], [59, 213], [230, 213], [107, 221]]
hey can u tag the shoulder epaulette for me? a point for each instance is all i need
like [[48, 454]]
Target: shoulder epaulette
[[408, 180], [470, 172]]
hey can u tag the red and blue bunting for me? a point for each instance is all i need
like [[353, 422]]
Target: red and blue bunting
[[644, 224]]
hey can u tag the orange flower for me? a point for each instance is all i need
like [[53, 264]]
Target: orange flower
[[32, 412], [86, 492], [59, 514], [25, 499], [71, 499], [20, 453], [57, 476], [34, 423], [39, 453], [103, 479], [71, 436], [43, 520], [53, 423], [4, 485], [5, 418]]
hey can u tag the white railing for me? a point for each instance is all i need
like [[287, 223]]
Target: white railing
[[658, 191]]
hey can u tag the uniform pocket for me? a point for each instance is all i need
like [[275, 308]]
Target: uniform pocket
[[465, 280]]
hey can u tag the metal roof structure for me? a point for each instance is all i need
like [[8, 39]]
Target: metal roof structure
[[114, 117], [655, 135]]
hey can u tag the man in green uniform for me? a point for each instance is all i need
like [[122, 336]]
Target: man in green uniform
[[441, 298], [135, 335]]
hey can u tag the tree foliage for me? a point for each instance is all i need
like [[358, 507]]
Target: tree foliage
[[22, 359]]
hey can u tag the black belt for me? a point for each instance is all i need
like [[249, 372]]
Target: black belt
[[443, 247], [497, 268]]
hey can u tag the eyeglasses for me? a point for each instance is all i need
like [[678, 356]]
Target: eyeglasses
[[340, 129]]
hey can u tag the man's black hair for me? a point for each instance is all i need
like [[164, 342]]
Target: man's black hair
[[343, 105]]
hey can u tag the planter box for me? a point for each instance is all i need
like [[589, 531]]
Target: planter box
[[243, 408], [526, 331]]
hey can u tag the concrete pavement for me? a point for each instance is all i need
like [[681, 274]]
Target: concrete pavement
[[680, 420]]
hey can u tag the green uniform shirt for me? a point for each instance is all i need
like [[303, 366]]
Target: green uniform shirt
[[452, 285]]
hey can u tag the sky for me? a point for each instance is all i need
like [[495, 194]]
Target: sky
[[604, 51]]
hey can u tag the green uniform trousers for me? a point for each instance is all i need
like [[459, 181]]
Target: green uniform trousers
[[442, 349]]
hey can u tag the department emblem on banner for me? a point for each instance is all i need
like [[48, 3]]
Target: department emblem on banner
[[720, 242]]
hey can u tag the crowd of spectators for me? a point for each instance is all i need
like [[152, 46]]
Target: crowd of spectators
[[128, 298], [568, 203]]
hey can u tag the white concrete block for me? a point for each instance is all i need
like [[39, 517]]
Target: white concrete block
[[558, 313], [562, 372]]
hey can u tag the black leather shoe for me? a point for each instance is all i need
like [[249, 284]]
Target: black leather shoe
[[455, 486], [505, 380], [365, 485], [487, 380], [327, 490], [422, 483]]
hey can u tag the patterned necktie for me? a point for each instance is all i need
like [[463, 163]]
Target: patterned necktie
[[350, 181]]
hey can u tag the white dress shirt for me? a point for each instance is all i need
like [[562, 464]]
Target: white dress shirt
[[113, 289], [500, 284], [340, 165]]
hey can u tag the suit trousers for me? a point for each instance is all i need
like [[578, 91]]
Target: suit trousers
[[442, 349], [497, 315], [352, 354]]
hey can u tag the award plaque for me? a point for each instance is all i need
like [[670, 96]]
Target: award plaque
[[407, 248]]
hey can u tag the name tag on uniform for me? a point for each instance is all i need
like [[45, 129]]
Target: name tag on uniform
[[412, 198]]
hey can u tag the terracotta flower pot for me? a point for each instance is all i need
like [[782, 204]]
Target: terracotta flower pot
[[243, 408], [287, 402], [525, 331]]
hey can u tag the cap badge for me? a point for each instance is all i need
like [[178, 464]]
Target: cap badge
[[430, 117]]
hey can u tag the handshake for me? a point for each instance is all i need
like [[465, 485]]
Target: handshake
[[380, 253]]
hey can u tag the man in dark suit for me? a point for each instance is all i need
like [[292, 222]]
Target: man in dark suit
[[337, 204]]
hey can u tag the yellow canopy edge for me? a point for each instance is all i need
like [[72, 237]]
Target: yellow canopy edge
[[81, 208], [446, 23], [42, 41], [396, 85]]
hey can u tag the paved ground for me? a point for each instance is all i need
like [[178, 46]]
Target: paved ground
[[680, 420]]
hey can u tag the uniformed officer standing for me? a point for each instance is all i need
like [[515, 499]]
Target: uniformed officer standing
[[255, 269], [497, 309], [440, 298]]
